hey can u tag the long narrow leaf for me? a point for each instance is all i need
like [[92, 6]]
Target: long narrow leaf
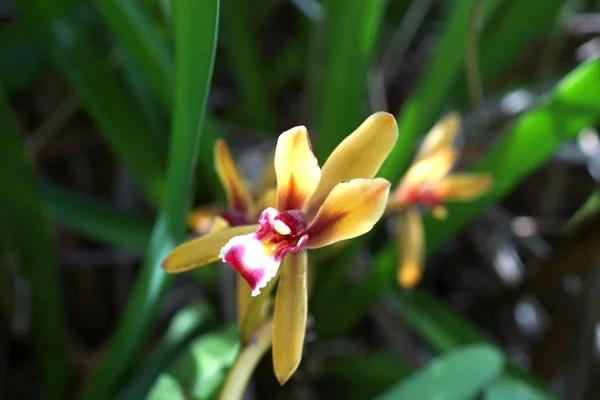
[[435, 85], [246, 63], [37, 254], [104, 97], [134, 28], [96, 220], [196, 33], [351, 33]]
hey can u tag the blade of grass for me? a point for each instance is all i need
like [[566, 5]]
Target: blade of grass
[[37, 255], [423, 107], [135, 29], [21, 57], [104, 97], [94, 219], [195, 38], [573, 105], [150, 51], [524, 19], [350, 37], [246, 63]]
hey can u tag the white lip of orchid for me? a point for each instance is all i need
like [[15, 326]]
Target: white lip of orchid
[[281, 228]]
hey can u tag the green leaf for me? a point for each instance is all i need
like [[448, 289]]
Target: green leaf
[[37, 256], [434, 87], [21, 57], [524, 19], [243, 52], [167, 388], [104, 97], [96, 220], [350, 38], [364, 376], [573, 105], [443, 329], [512, 389], [201, 370], [457, 375], [131, 24], [183, 327], [195, 42]]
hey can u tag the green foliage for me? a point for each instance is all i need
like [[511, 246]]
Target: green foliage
[[200, 371], [138, 67], [195, 42], [457, 375], [35, 255]]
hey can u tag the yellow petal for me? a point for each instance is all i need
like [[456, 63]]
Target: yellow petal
[[290, 316], [358, 156], [464, 187], [202, 250], [429, 170], [441, 136], [350, 210], [412, 242], [201, 219], [236, 189], [297, 169]]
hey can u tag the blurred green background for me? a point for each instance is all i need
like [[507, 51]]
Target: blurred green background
[[108, 113]]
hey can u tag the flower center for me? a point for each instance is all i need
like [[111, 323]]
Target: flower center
[[282, 232]]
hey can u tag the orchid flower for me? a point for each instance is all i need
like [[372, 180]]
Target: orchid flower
[[242, 203], [243, 206], [314, 208], [428, 184]]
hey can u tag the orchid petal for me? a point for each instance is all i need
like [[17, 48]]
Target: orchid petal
[[440, 137], [236, 189], [360, 155], [350, 210], [411, 245], [464, 187], [252, 259], [289, 319], [297, 169], [202, 250], [428, 171]]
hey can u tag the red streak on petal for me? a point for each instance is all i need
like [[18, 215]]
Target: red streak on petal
[[235, 257]]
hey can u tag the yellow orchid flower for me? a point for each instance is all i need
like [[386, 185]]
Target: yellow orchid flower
[[241, 208], [242, 204], [429, 184], [314, 208]]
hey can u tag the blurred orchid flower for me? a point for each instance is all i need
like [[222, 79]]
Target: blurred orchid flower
[[314, 208], [428, 184], [243, 206]]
